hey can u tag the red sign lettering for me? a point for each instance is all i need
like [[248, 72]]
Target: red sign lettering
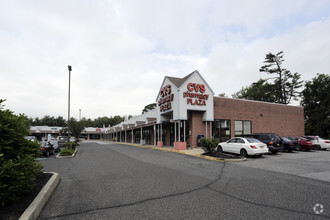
[[165, 91], [197, 87], [164, 102]]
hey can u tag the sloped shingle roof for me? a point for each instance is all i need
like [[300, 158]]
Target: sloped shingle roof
[[179, 81]]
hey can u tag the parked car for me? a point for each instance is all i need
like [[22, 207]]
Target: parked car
[[295, 140], [46, 148], [289, 145], [31, 138], [273, 141], [304, 143], [243, 146], [323, 144], [62, 140], [319, 143], [55, 145]]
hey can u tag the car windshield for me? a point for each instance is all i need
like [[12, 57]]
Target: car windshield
[[253, 140], [286, 139]]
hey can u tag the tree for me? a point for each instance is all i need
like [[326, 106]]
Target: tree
[[260, 91], [285, 83], [86, 122], [75, 127], [48, 121], [316, 103], [18, 165], [100, 121], [116, 120], [149, 107], [223, 95]]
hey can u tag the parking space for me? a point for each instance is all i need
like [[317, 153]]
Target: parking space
[[313, 164]]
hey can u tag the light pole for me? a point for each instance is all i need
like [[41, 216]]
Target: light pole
[[79, 114], [70, 69]]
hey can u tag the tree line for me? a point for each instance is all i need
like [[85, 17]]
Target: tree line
[[61, 122], [283, 87]]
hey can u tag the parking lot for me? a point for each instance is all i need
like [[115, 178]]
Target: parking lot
[[313, 164]]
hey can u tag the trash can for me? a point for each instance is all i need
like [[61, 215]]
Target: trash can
[[199, 139]]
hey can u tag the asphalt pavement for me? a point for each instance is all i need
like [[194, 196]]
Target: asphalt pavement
[[112, 181]]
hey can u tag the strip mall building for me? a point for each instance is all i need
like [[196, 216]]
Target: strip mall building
[[187, 108]]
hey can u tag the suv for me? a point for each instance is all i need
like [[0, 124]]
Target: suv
[[273, 141]]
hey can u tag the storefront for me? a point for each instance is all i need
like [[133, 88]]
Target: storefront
[[187, 109]]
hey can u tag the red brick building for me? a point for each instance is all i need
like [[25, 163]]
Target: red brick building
[[187, 109]]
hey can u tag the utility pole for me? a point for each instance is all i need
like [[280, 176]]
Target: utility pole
[[70, 69]]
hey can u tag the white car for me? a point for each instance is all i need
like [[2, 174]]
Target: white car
[[243, 146], [320, 143]]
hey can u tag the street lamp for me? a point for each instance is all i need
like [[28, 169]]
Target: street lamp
[[70, 69]]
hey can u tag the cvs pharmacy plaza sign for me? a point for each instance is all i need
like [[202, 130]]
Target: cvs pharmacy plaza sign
[[195, 94]]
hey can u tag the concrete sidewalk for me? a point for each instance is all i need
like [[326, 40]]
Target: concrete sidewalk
[[196, 152], [193, 151]]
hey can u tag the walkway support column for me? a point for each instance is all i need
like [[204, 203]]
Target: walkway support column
[[175, 132], [160, 142], [178, 144], [211, 130], [132, 135], [155, 135], [179, 128], [141, 141], [184, 130], [206, 129]]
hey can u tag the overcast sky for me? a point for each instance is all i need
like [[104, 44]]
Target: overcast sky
[[120, 51]]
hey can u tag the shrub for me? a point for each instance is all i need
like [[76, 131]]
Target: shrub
[[209, 144], [71, 145], [18, 167], [66, 152]]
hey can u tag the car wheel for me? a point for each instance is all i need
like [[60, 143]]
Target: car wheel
[[47, 154], [243, 153], [319, 147], [274, 152], [219, 149]]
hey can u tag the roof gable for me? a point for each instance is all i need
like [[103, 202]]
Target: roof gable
[[179, 81]]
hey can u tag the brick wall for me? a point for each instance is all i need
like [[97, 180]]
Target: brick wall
[[283, 120], [198, 127]]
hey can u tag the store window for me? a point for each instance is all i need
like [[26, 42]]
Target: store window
[[243, 128], [221, 129]]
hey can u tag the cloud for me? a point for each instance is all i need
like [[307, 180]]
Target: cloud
[[120, 51]]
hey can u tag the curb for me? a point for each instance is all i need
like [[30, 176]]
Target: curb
[[74, 154], [34, 209], [194, 155]]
